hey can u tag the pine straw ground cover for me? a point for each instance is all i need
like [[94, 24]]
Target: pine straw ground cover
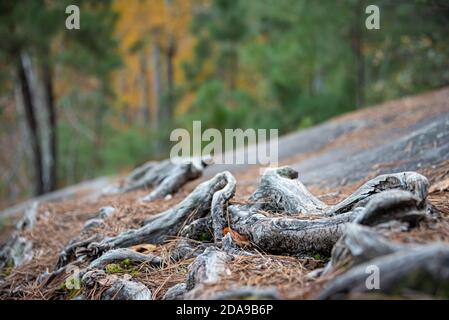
[[58, 223]]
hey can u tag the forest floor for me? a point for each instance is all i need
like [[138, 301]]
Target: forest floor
[[333, 160]]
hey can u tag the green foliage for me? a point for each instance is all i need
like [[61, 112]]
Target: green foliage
[[125, 266], [220, 108], [113, 268], [302, 55]]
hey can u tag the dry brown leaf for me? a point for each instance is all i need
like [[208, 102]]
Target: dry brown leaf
[[144, 248], [239, 239]]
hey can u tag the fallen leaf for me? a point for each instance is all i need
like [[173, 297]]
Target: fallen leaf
[[144, 248], [239, 239]]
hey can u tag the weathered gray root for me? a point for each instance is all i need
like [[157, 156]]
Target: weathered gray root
[[358, 245], [119, 288], [147, 176], [281, 191], [118, 255], [165, 177], [247, 293], [73, 250], [139, 172], [199, 230], [75, 246], [179, 176], [176, 292], [127, 290], [407, 181], [186, 249], [219, 207], [103, 213], [18, 249], [230, 247], [207, 268], [167, 224], [378, 201], [393, 205], [424, 269], [283, 235]]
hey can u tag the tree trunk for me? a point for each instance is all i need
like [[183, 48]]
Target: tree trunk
[[32, 124], [144, 89], [47, 76], [157, 86], [171, 51]]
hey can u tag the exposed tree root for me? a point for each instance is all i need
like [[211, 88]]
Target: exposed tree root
[[370, 205], [18, 249], [165, 177], [219, 206], [408, 181], [205, 270], [176, 292], [119, 255], [247, 293], [424, 269], [199, 230], [167, 224], [281, 191], [358, 245], [158, 228], [127, 290], [116, 288], [221, 232]]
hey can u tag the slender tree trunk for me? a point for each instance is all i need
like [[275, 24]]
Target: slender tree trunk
[[32, 124], [47, 76], [171, 51], [144, 89], [157, 85], [157, 90]]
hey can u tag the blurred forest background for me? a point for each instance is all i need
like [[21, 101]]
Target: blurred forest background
[[76, 104]]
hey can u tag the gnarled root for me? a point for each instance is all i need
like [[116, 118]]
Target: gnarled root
[[205, 270], [282, 235], [19, 249], [199, 230], [166, 177], [247, 293], [392, 205], [372, 205], [73, 250], [208, 267], [176, 292], [219, 206], [117, 288], [358, 245], [407, 181], [281, 191], [118, 255], [424, 269], [167, 224]]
